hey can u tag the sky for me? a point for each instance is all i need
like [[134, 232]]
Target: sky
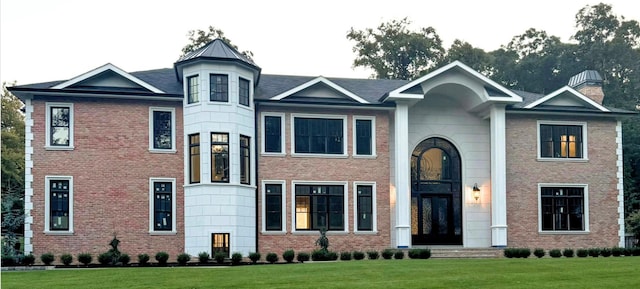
[[47, 40]]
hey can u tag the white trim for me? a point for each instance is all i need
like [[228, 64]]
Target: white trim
[[374, 206], [319, 183], [47, 205], [173, 129], [173, 231], [585, 147], [47, 144], [104, 68], [570, 90], [283, 205], [345, 139], [316, 80], [620, 185], [28, 175], [373, 136], [263, 131], [585, 204]]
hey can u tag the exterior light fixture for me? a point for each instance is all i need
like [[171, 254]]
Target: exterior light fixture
[[476, 191]]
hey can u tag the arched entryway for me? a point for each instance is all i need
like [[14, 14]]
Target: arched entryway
[[436, 193]]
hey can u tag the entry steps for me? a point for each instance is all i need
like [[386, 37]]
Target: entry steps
[[461, 252]]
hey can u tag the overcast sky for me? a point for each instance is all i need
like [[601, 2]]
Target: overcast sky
[[45, 40]]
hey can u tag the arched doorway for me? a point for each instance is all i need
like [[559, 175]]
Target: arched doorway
[[436, 193]]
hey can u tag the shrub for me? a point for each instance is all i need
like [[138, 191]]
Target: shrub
[[508, 252], [398, 254], [162, 258], [143, 259], [85, 258], [319, 255], [635, 251], [288, 255], [594, 252], [425, 253], [8, 260], [236, 258], [627, 252], [254, 257], [373, 255], [219, 257], [616, 251], [582, 253], [358, 255], [124, 259], [28, 260], [539, 252], [414, 253], [302, 257], [567, 253], [332, 256], [345, 256], [271, 258], [605, 252], [47, 258], [523, 253], [203, 257], [183, 258], [105, 258], [555, 253], [387, 253], [66, 259]]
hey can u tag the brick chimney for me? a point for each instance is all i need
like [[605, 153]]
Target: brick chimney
[[589, 83]]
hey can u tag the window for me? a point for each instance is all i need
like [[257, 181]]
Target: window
[[59, 133], [562, 141], [218, 87], [220, 157], [273, 213], [563, 208], [162, 205], [245, 160], [364, 136], [192, 89], [162, 127], [319, 136], [243, 91], [272, 132], [220, 244], [319, 207], [364, 207], [59, 205], [194, 158]]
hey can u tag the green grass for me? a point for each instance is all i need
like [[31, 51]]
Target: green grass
[[433, 273]]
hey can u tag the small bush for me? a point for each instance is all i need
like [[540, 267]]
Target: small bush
[[272, 257], [319, 255], [236, 258], [539, 252], [555, 253], [66, 259], [373, 255], [162, 258], [582, 253], [28, 260], [254, 257], [616, 251], [203, 257], [105, 258], [425, 253], [635, 251], [84, 258], [183, 258], [594, 252], [124, 259], [303, 257], [358, 255], [508, 252], [605, 252], [288, 255], [414, 253], [387, 254], [47, 258], [398, 254], [143, 259], [567, 253], [332, 256], [219, 257], [524, 253], [345, 256]]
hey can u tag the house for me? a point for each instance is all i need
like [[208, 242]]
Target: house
[[214, 156]]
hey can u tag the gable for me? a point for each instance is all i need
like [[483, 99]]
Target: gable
[[566, 97], [108, 76], [320, 88]]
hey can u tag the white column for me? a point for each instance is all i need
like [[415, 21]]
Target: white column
[[498, 177], [402, 173]]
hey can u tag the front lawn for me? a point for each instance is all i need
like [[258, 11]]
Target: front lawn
[[623, 272]]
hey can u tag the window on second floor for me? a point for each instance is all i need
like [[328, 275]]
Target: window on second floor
[[59, 134], [562, 141], [219, 87], [162, 129], [364, 136], [243, 91], [319, 136], [272, 133], [192, 89]]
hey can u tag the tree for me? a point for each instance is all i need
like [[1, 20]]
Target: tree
[[198, 38], [476, 58], [395, 52]]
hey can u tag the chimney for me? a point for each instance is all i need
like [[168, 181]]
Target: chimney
[[589, 83]]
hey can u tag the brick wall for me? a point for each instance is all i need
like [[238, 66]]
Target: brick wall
[[111, 166], [348, 169], [524, 172]]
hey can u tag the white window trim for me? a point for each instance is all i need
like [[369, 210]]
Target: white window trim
[[47, 205], [250, 106], [283, 205], [186, 90], [345, 139], [263, 133], [374, 227], [585, 188], [293, 206], [585, 147], [47, 144], [173, 206], [373, 136], [173, 129]]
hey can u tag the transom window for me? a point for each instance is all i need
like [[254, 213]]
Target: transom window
[[273, 207], [220, 157], [243, 91], [319, 135], [561, 141], [562, 208], [219, 87], [319, 207], [192, 89], [194, 158], [245, 159]]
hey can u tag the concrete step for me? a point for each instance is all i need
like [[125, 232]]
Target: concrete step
[[460, 252]]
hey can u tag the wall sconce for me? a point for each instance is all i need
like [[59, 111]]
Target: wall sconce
[[476, 191]]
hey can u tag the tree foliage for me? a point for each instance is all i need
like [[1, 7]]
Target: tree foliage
[[199, 38]]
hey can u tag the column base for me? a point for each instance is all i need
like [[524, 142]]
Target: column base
[[403, 236], [499, 236]]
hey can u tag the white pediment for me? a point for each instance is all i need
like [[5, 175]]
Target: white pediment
[[107, 75], [320, 88], [567, 96]]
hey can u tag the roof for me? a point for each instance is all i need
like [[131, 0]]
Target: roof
[[585, 77], [216, 50]]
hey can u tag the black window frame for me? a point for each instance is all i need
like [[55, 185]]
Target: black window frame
[[160, 129], [57, 121], [553, 146], [364, 137], [273, 207], [319, 135], [162, 206], [221, 243], [364, 219], [244, 91], [220, 148], [325, 205], [218, 90], [272, 134], [194, 157], [245, 159], [562, 209], [59, 205], [193, 89]]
